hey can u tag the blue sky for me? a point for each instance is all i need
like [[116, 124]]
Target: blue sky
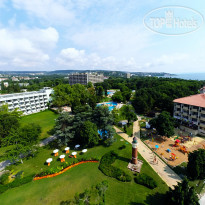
[[95, 34]]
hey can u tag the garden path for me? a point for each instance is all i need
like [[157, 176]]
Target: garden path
[[161, 168]]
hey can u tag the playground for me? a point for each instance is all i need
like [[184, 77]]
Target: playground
[[174, 150]]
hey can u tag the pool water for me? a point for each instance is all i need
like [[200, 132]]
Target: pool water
[[111, 105]]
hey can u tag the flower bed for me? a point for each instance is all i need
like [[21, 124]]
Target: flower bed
[[63, 170]]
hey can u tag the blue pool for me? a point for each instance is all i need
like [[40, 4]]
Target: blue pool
[[111, 105]]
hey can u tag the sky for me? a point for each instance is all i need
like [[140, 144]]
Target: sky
[[45, 35]]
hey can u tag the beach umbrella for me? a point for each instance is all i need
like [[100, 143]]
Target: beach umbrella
[[177, 140], [156, 146], [173, 154]]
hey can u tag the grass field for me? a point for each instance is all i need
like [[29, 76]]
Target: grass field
[[63, 187], [46, 119]]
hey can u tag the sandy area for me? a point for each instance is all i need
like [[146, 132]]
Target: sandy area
[[168, 143]]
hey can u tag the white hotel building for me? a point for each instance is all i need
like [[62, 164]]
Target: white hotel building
[[27, 102]]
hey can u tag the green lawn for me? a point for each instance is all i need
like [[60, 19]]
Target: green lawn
[[46, 119], [63, 187]]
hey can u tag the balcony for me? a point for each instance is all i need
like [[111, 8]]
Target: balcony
[[202, 124], [194, 110], [202, 118], [185, 108], [202, 111]]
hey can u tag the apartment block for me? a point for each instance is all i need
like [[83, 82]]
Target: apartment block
[[191, 109], [84, 78], [27, 102]]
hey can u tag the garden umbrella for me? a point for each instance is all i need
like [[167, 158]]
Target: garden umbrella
[[77, 146], [84, 150]]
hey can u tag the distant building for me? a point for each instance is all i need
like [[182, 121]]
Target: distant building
[[23, 84], [2, 79], [14, 79], [191, 109], [27, 102], [128, 75], [84, 78], [6, 84]]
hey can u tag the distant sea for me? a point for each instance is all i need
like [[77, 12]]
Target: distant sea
[[190, 76]]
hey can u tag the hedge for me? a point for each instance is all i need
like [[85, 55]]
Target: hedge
[[106, 168], [146, 180], [16, 183]]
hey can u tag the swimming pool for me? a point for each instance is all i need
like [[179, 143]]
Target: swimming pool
[[111, 105]]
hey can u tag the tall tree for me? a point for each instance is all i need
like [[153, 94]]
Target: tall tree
[[164, 124], [102, 117], [196, 164], [64, 128], [8, 121], [87, 134], [117, 97], [129, 113], [182, 194]]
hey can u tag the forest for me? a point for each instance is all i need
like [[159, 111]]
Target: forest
[[152, 93]]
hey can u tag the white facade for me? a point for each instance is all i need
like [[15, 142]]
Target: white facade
[[27, 102]]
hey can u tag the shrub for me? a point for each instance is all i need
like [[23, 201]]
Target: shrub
[[122, 147], [4, 179], [16, 183], [146, 180], [19, 175], [106, 167]]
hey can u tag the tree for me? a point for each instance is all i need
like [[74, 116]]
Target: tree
[[64, 128], [196, 164], [99, 92], [8, 121], [24, 140], [102, 117], [90, 85], [108, 135], [182, 194], [62, 95], [129, 113], [87, 134], [117, 96], [164, 124]]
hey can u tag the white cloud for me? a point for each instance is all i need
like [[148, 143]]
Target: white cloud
[[78, 59], [52, 11], [26, 47]]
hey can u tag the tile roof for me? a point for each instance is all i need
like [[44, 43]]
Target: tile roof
[[195, 100]]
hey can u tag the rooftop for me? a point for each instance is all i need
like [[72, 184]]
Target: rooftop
[[195, 100]]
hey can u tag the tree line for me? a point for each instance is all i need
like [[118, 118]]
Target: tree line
[[151, 93]]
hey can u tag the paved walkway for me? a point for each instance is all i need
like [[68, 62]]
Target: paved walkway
[[161, 168]]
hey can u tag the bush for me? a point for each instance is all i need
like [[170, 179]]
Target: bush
[[16, 183], [106, 167], [4, 179], [146, 180]]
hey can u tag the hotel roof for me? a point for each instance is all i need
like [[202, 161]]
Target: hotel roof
[[195, 100]]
